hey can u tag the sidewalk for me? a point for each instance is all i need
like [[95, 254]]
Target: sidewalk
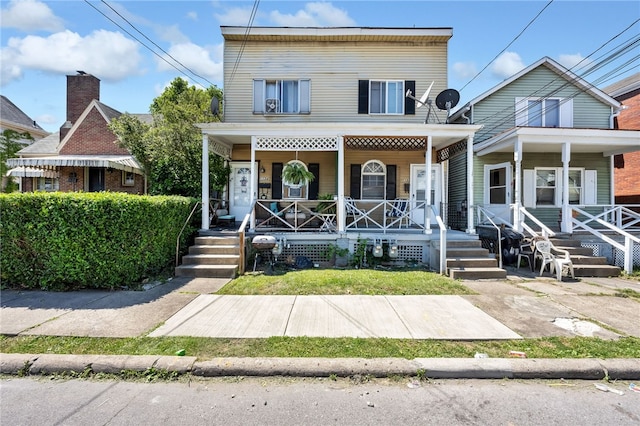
[[519, 307]]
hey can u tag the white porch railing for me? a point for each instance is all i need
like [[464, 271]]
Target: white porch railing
[[622, 216], [545, 231], [443, 241]]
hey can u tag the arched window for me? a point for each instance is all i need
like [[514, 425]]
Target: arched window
[[374, 179]]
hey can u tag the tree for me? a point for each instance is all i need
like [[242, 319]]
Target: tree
[[9, 146], [170, 149]]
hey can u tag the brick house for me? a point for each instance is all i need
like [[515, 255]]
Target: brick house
[[83, 155], [627, 182]]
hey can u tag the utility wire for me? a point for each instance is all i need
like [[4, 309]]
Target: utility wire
[[508, 45], [252, 17], [139, 41]]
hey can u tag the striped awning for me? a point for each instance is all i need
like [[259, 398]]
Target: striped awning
[[19, 172], [117, 162]]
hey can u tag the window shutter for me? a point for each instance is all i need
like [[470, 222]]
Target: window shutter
[[520, 110], [276, 181], [528, 188], [566, 113], [590, 187], [390, 192], [305, 96], [363, 96], [355, 181], [314, 185], [409, 104], [258, 96]]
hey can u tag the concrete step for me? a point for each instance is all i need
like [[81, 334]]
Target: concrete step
[[467, 252], [588, 260], [217, 240], [463, 243], [565, 242], [206, 271], [211, 259], [584, 251], [477, 273], [596, 270], [220, 249], [472, 262]]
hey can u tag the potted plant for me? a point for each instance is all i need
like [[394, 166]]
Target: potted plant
[[296, 175]]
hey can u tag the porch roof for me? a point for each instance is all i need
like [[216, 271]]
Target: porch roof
[[240, 133], [20, 172], [545, 139], [118, 162]]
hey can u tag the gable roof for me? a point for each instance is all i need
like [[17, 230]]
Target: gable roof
[[45, 146], [624, 86], [11, 114], [105, 111], [554, 66]]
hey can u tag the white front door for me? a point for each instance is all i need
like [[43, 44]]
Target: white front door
[[240, 189], [497, 190], [419, 192]]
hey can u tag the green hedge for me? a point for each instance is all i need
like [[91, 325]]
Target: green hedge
[[65, 241]]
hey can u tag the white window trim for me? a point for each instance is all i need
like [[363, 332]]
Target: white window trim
[[585, 175], [383, 173], [386, 100], [260, 96], [565, 113]]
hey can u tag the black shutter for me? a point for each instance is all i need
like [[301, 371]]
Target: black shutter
[[314, 185], [355, 181], [363, 96], [391, 182], [410, 104], [276, 181]]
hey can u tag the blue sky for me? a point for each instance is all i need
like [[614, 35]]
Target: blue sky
[[42, 41]]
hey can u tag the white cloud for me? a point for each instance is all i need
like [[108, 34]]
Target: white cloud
[[238, 16], [30, 15], [192, 15], [171, 33], [506, 65], [571, 60], [464, 70], [46, 119], [200, 60], [316, 14], [108, 55]]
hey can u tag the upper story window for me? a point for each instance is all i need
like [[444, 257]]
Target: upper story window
[[281, 96], [386, 97], [374, 177], [539, 112]]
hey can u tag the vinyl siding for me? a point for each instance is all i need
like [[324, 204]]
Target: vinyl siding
[[497, 111], [457, 189], [334, 70]]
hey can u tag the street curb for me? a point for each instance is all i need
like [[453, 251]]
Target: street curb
[[435, 368]]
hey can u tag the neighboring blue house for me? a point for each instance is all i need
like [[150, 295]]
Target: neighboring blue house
[[543, 160]]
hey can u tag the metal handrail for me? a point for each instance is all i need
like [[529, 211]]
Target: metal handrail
[[443, 241], [482, 210], [182, 230]]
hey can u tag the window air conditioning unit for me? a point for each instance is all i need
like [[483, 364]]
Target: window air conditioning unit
[[271, 106]]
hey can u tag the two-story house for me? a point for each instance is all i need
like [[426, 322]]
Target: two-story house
[[83, 155], [334, 101], [543, 161]]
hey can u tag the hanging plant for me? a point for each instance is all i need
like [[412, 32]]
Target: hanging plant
[[295, 174]]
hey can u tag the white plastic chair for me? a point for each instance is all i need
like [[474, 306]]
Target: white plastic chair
[[557, 263]]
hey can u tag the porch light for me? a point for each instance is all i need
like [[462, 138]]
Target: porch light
[[377, 248], [393, 249]]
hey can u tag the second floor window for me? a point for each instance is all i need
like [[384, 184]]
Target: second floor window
[[386, 97], [281, 97], [536, 112]]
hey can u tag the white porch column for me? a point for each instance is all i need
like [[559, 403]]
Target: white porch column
[[566, 225], [517, 158], [342, 220], [470, 202], [205, 182], [428, 198], [252, 185]]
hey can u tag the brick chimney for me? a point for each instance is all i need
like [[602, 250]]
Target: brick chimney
[[82, 88]]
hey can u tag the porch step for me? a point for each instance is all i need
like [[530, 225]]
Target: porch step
[[211, 256], [588, 260], [596, 270], [472, 262], [467, 252], [206, 271], [584, 263], [465, 273]]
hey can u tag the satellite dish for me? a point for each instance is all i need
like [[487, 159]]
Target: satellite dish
[[425, 97], [215, 106], [447, 99]]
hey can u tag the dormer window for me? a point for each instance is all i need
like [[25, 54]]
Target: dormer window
[[271, 97]]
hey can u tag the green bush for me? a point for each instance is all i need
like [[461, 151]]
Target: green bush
[[65, 241]]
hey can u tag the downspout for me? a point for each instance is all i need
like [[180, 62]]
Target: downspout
[[465, 110]]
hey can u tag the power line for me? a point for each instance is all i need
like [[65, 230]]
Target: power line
[[508, 45], [252, 17]]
